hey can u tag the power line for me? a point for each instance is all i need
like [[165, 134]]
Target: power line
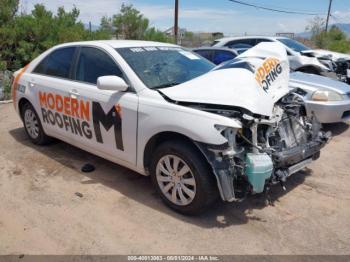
[[273, 9]]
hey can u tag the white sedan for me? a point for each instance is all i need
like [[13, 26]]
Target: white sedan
[[152, 107]]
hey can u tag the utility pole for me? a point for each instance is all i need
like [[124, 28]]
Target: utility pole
[[329, 13], [176, 22]]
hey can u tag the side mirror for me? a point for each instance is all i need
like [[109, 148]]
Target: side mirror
[[114, 83]]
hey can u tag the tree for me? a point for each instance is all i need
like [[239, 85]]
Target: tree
[[7, 13], [316, 27], [25, 36], [8, 10], [106, 25], [334, 39], [130, 23], [153, 34]]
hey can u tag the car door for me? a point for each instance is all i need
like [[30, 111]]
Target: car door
[[112, 122], [50, 81]]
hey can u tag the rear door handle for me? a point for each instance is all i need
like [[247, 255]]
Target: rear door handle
[[74, 93]]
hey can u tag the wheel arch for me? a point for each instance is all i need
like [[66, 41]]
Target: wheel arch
[[21, 104], [161, 137]]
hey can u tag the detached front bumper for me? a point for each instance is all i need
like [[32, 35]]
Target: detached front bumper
[[284, 164], [329, 112]]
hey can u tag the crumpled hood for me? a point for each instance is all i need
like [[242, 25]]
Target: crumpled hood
[[221, 87], [332, 55], [256, 89]]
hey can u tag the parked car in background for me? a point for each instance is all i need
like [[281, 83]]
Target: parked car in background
[[216, 55], [327, 98], [341, 62], [163, 111], [301, 57]]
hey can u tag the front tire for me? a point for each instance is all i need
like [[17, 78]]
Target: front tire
[[183, 178], [33, 127]]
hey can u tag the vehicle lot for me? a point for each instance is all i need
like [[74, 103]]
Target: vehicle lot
[[120, 213]]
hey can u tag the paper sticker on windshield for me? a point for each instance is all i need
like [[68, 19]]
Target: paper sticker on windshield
[[268, 72], [189, 55], [153, 48]]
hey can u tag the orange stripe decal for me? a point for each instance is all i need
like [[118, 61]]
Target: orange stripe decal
[[15, 83], [118, 109]]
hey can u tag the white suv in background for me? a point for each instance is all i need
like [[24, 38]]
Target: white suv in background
[[298, 61]]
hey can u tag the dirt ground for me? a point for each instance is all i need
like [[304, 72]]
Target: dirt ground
[[119, 212]]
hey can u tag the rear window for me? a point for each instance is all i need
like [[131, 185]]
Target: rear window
[[205, 53], [57, 64]]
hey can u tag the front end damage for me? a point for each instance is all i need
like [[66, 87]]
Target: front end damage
[[277, 137], [265, 151], [335, 62]]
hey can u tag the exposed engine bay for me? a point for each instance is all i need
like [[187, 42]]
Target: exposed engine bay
[[265, 151], [274, 137]]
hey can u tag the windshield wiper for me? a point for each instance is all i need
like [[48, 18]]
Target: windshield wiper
[[166, 85]]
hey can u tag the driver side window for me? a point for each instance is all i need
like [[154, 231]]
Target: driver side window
[[93, 63]]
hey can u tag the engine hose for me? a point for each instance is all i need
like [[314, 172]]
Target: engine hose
[[249, 142]]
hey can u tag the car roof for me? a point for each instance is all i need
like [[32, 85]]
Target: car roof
[[250, 37], [119, 43], [214, 48]]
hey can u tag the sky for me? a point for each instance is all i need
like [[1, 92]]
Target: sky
[[210, 15]]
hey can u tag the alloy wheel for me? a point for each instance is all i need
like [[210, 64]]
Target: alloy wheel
[[31, 123], [176, 180]]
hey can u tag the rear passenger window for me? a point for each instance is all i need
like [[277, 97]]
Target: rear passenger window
[[94, 63], [205, 53], [222, 56], [57, 64]]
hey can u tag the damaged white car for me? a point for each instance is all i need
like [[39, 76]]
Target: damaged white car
[[301, 58], [337, 62], [162, 111]]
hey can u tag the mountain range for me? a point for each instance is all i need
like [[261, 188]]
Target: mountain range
[[342, 26]]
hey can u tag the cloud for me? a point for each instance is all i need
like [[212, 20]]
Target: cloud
[[162, 11], [340, 16]]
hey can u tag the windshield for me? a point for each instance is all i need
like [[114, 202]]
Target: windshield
[[294, 45], [160, 67]]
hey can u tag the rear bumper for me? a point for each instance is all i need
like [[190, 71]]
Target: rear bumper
[[329, 112]]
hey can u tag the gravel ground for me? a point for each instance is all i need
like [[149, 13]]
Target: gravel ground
[[48, 206]]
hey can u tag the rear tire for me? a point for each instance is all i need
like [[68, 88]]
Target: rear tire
[[33, 127], [183, 177]]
